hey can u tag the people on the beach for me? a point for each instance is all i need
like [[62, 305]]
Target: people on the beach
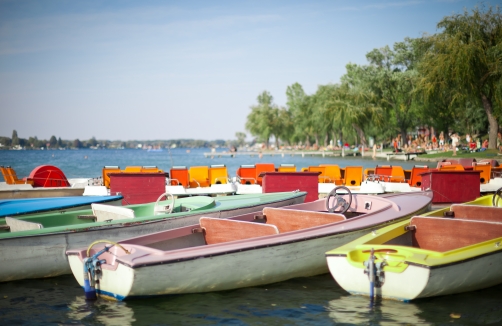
[[454, 142], [484, 146], [441, 140], [472, 146]]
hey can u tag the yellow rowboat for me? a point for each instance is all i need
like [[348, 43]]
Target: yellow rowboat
[[452, 250]]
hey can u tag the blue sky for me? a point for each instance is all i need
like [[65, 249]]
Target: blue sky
[[150, 70]]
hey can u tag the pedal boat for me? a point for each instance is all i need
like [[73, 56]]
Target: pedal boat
[[452, 250], [35, 246], [30, 206], [242, 251]]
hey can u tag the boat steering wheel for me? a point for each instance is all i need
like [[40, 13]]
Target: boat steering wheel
[[340, 205], [164, 209], [497, 196]]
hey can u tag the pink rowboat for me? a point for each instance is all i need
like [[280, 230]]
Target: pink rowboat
[[270, 246]]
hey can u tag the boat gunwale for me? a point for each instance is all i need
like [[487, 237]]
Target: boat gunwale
[[438, 266], [220, 249], [116, 224]]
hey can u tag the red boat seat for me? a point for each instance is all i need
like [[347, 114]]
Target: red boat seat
[[179, 176], [383, 172], [247, 174]]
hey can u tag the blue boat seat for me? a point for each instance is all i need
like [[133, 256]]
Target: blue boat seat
[[105, 213], [20, 225]]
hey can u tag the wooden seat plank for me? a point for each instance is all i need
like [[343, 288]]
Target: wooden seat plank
[[223, 230], [288, 220]]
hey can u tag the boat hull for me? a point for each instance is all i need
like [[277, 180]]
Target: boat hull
[[150, 271], [451, 250], [419, 281], [220, 272], [39, 256]]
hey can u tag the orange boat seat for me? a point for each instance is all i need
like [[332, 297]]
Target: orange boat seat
[[199, 176], [286, 168], [486, 171], [263, 167], [353, 175], [247, 174], [397, 174], [150, 169], [333, 173], [450, 167], [322, 173], [367, 172], [179, 176], [218, 174], [106, 176], [10, 176], [132, 169], [416, 179]]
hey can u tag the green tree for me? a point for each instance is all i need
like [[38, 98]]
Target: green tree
[[465, 60], [92, 142], [389, 80], [300, 106], [15, 139], [53, 142], [241, 138], [77, 143], [262, 121]]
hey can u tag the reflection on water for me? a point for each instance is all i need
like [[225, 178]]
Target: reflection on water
[[354, 309], [303, 301], [109, 313]]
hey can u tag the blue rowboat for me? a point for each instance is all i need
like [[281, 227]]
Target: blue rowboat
[[29, 206]]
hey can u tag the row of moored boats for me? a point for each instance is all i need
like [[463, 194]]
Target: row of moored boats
[[392, 246]]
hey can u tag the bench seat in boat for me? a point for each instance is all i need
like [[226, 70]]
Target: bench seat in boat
[[16, 225], [443, 234]]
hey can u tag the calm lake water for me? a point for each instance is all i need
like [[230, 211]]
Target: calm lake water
[[303, 301]]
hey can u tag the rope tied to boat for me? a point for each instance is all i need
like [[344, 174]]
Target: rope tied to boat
[[92, 267]]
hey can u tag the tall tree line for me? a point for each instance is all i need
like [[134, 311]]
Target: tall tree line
[[451, 80]]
